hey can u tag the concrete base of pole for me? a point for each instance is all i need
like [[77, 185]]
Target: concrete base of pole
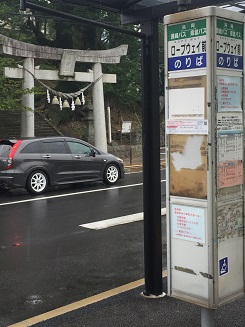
[[152, 296], [207, 317]]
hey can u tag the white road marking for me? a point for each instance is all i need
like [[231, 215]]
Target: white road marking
[[117, 221], [71, 194]]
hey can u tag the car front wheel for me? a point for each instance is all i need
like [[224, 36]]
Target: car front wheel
[[111, 174], [37, 182]]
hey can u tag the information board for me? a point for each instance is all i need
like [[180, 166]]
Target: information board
[[187, 45], [188, 162], [186, 126], [229, 123], [229, 147], [183, 109], [204, 126], [229, 44], [229, 93], [188, 223], [230, 220]]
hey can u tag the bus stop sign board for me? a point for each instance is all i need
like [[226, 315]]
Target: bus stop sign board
[[204, 154]]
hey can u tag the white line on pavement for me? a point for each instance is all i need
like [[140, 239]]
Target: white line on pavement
[[117, 221], [71, 194]]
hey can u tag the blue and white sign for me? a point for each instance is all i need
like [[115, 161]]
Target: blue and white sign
[[187, 62], [187, 45], [229, 44], [223, 266]]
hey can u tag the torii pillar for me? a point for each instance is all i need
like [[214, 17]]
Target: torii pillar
[[68, 58], [99, 115], [27, 100]]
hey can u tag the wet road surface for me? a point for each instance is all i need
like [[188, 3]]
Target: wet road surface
[[47, 260]]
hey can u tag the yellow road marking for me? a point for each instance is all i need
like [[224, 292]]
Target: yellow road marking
[[81, 303]]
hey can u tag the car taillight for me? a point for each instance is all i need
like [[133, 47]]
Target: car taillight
[[12, 153]]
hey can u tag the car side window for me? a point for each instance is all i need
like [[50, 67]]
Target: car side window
[[54, 147], [33, 147], [5, 150], [78, 148]]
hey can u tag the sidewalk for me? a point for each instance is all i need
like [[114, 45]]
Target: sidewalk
[[131, 309], [136, 165]]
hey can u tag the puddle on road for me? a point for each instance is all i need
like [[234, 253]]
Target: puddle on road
[[34, 300]]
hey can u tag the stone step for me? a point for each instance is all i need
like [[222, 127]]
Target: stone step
[[10, 126]]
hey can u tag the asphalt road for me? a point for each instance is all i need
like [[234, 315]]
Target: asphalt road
[[48, 260]]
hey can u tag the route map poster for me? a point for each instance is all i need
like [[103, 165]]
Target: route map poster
[[230, 220]]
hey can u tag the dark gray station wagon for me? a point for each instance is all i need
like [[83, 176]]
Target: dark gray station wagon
[[37, 163]]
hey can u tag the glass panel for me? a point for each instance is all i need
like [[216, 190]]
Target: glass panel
[[78, 148], [54, 147]]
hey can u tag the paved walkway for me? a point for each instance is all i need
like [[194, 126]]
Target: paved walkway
[[131, 309]]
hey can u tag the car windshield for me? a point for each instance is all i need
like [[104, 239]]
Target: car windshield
[[4, 150]]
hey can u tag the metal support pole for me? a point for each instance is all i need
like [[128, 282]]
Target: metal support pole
[[151, 160], [99, 111], [27, 116], [207, 317], [23, 5], [130, 156]]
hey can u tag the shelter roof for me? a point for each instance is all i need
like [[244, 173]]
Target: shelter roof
[[139, 10]]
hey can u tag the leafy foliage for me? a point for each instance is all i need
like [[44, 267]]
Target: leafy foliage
[[10, 89]]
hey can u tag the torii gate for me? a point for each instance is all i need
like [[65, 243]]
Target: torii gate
[[68, 58]]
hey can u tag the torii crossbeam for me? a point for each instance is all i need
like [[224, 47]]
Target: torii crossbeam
[[68, 58]]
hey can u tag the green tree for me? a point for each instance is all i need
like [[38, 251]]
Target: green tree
[[37, 28], [10, 89]]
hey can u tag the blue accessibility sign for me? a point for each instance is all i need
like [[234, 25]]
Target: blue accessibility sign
[[223, 266]]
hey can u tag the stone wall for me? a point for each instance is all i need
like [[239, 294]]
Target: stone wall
[[128, 153]]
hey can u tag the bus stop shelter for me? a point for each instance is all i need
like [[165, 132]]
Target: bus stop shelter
[[147, 13]]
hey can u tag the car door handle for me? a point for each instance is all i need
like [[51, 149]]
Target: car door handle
[[47, 156], [77, 156]]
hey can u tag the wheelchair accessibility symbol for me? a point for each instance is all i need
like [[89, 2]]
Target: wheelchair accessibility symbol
[[223, 266]]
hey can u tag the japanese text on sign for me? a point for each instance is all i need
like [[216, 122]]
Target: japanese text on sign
[[231, 123], [187, 45], [229, 173], [229, 147], [188, 223], [185, 126], [229, 44], [229, 93]]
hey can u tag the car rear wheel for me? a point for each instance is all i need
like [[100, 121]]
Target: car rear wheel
[[37, 182], [111, 174]]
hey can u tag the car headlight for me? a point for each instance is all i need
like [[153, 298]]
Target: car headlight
[[119, 159]]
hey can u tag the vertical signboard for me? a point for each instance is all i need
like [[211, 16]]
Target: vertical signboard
[[229, 157], [229, 44], [187, 129], [187, 45], [204, 143]]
